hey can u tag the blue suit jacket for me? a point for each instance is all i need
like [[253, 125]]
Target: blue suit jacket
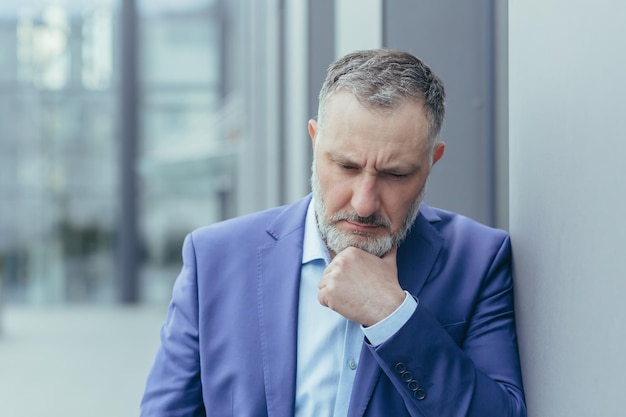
[[228, 346]]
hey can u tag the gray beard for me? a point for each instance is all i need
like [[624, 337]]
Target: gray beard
[[337, 241]]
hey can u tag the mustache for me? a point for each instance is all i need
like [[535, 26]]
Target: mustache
[[373, 220]]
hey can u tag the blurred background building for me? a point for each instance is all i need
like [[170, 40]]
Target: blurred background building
[[112, 133]]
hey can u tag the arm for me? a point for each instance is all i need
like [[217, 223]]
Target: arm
[[173, 388], [481, 378]]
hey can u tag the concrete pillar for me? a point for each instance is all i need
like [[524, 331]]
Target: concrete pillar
[[567, 86]]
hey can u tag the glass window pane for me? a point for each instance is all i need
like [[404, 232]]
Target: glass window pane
[[186, 169], [58, 151]]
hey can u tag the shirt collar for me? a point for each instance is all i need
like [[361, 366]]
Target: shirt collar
[[313, 246]]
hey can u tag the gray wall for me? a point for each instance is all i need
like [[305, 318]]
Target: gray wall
[[456, 40], [567, 202]]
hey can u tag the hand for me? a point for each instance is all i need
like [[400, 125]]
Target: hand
[[361, 287]]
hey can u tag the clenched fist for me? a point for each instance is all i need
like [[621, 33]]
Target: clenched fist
[[361, 287]]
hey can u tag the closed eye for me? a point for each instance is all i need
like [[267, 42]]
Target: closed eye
[[347, 167], [396, 175]]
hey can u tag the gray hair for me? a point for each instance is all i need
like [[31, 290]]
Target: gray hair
[[382, 79]]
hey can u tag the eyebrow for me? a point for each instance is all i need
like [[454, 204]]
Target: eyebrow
[[408, 168]]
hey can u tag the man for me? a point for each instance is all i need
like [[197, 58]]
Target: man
[[359, 301]]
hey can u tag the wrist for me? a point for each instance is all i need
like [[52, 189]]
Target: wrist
[[387, 327]]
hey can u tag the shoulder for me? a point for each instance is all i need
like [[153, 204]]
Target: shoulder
[[460, 234], [256, 227], [454, 225]]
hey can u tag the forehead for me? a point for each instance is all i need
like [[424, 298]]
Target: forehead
[[346, 121]]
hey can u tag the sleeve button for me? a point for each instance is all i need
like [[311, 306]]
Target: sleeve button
[[420, 394], [400, 367]]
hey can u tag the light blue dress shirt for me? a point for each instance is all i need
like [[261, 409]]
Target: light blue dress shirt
[[329, 345]]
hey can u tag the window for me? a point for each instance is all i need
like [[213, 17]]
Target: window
[[60, 147]]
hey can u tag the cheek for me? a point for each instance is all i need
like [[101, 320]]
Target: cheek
[[398, 212], [336, 194], [337, 198], [399, 203]]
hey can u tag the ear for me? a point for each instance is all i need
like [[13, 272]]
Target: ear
[[438, 152], [313, 131]]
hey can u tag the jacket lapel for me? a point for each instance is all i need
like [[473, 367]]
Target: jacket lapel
[[278, 280], [418, 253], [416, 258]]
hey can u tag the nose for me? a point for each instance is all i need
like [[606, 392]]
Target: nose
[[365, 198]]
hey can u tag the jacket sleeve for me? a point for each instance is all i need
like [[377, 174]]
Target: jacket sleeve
[[478, 375], [173, 387]]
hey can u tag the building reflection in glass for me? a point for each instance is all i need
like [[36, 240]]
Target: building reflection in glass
[[60, 149]]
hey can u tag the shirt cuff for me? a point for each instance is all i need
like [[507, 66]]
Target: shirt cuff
[[387, 327]]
